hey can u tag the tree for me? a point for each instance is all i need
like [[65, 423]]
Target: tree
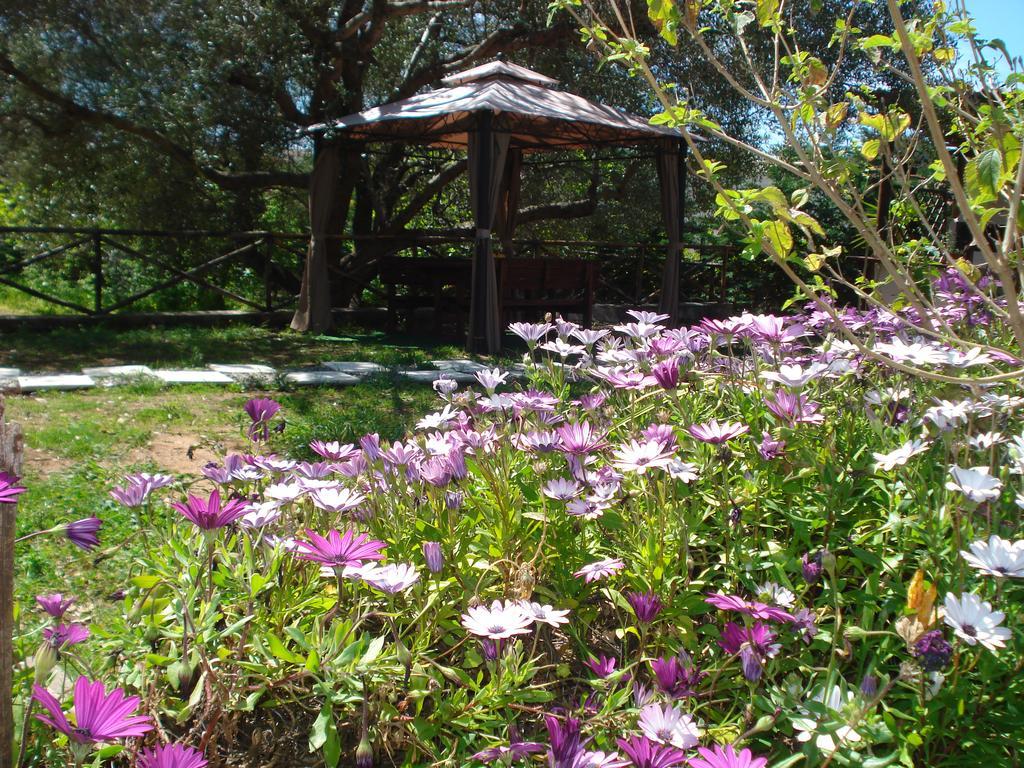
[[936, 123]]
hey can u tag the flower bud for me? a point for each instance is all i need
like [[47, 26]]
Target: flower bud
[[869, 686], [364, 753], [45, 661], [434, 556]]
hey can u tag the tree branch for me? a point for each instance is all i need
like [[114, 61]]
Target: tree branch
[[162, 143], [262, 86]]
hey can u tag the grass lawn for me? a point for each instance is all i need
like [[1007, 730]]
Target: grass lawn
[[80, 444], [69, 349]]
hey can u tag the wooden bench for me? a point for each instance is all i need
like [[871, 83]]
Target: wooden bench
[[437, 283], [536, 286]]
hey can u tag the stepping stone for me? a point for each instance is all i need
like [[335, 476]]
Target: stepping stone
[[56, 382], [192, 377], [314, 378], [356, 368], [246, 371], [461, 366], [429, 377], [109, 375]]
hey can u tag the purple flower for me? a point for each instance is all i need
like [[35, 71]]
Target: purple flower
[[564, 737], [339, 550], [579, 438], [599, 569], [869, 686], [666, 373], [65, 635], [171, 756], [933, 651], [516, 750], [433, 555], [82, 533], [749, 607], [602, 666], [99, 716], [131, 495], [726, 757], [675, 677], [531, 333], [662, 433], [370, 444], [9, 488], [753, 644], [646, 605], [794, 409], [717, 433], [644, 753], [812, 567], [56, 604], [210, 515], [770, 448], [261, 410], [804, 625]]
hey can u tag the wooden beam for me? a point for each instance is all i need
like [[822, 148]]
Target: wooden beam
[[11, 453]]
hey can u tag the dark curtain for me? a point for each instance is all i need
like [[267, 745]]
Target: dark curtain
[[672, 177], [486, 158], [313, 312], [508, 205]]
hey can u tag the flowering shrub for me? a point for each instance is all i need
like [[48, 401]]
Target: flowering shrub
[[737, 544]]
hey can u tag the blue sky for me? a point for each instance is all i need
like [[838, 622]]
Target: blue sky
[[1003, 19]]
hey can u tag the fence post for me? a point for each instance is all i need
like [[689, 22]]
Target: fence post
[[11, 449], [638, 290], [722, 277], [268, 262], [97, 272]]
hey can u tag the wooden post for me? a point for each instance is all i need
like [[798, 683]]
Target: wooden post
[[97, 272], [11, 450]]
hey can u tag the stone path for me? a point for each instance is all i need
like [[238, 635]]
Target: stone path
[[330, 373]]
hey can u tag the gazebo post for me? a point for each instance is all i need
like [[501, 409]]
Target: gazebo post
[[484, 334], [672, 177]]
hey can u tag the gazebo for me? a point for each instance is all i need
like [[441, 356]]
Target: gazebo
[[497, 112]]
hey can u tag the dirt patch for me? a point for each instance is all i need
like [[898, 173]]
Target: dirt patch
[[40, 463], [182, 453]]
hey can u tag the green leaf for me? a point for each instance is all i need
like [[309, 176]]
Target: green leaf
[[145, 581], [767, 10], [869, 149], [324, 735], [280, 651], [777, 233], [990, 168]]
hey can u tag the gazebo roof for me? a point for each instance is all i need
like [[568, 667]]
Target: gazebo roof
[[524, 102]]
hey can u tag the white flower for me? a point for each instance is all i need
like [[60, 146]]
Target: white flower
[[262, 514], [639, 457], [682, 470], [916, 353], [544, 614], [897, 458], [668, 726], [392, 578], [985, 440], [974, 621], [997, 557], [284, 491], [975, 483], [947, 415], [973, 356], [437, 420], [561, 488], [562, 348], [490, 378], [835, 701], [795, 376], [336, 499], [498, 622], [771, 592]]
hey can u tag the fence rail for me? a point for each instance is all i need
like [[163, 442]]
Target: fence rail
[[100, 271]]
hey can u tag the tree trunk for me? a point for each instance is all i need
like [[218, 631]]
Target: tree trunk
[[11, 451]]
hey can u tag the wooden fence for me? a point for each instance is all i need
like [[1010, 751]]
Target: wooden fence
[[98, 272]]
